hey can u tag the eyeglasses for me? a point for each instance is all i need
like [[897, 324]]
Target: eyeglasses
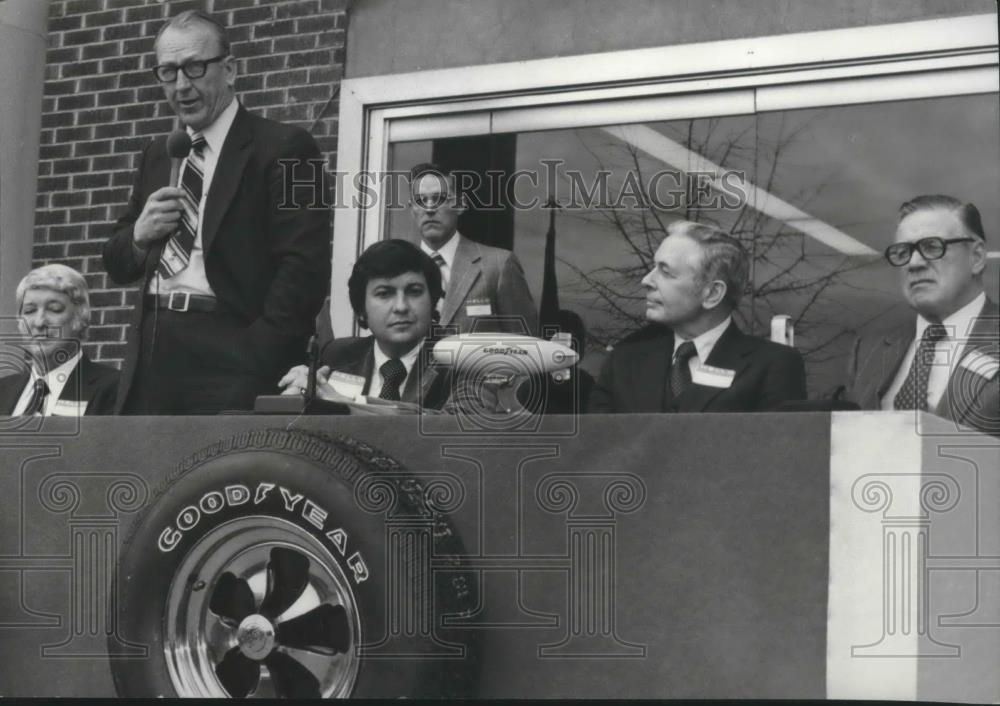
[[431, 201], [899, 254], [196, 68]]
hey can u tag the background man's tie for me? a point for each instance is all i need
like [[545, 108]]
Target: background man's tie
[[913, 393], [680, 374], [177, 252], [393, 373], [36, 403], [439, 261]]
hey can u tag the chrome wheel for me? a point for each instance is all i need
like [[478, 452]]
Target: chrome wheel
[[259, 607]]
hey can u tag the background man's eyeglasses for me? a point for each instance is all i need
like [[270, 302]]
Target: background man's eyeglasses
[[196, 68], [431, 201], [899, 254]]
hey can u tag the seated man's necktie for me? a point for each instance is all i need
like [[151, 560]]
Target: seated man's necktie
[[680, 373], [36, 403], [393, 373], [913, 393]]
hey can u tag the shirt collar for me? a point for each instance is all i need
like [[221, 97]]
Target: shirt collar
[[215, 134], [56, 378], [447, 250], [408, 359], [705, 342], [959, 324]]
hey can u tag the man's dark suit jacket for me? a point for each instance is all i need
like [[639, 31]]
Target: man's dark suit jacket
[[90, 382], [970, 399], [267, 261], [428, 386], [635, 375]]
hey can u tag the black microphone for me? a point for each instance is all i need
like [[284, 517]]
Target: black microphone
[[178, 147], [312, 351]]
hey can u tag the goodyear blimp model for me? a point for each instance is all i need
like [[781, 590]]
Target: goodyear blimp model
[[499, 353]]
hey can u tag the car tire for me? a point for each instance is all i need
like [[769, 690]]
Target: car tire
[[261, 568]]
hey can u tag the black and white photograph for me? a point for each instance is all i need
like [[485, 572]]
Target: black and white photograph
[[500, 349]]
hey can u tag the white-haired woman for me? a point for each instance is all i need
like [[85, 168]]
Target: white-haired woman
[[58, 378]]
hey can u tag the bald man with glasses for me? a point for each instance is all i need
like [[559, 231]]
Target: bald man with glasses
[[947, 362], [233, 259]]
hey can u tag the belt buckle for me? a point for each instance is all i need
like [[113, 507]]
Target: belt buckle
[[181, 308]]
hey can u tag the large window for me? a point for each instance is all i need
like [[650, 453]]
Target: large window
[[807, 164]]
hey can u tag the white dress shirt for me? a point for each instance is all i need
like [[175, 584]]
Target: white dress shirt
[[192, 279], [55, 379], [703, 343], [946, 353], [409, 360]]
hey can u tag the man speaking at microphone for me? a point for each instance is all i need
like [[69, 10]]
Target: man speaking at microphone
[[233, 267]]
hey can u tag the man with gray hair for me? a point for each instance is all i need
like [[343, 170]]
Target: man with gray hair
[[58, 378], [692, 357]]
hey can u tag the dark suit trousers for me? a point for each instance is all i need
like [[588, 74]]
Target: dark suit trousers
[[196, 363]]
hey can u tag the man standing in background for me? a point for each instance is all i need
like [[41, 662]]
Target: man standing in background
[[480, 282]]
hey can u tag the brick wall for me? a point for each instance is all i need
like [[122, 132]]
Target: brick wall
[[102, 104]]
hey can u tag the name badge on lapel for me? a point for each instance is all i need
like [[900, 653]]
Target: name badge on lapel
[[69, 408], [346, 384], [711, 376], [478, 307], [981, 364]]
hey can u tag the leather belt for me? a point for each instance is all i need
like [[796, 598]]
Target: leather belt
[[182, 301]]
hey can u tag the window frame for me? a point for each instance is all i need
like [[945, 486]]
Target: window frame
[[898, 61]]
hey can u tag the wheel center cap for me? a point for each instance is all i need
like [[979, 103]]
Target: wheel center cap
[[255, 637]]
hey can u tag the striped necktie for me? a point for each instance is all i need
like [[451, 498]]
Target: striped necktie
[[177, 252]]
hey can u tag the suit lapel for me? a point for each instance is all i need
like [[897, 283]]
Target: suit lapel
[[80, 383], [964, 385], [894, 348], [233, 158], [363, 366], [649, 371], [421, 377], [464, 273], [75, 387], [729, 352], [11, 388], [160, 174]]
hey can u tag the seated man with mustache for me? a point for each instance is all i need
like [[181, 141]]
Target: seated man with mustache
[[394, 289]]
